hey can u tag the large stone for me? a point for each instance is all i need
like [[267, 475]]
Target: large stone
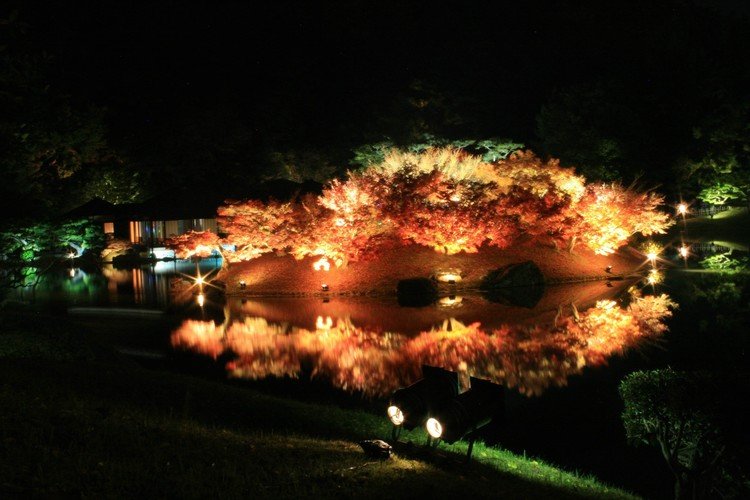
[[517, 284], [416, 292]]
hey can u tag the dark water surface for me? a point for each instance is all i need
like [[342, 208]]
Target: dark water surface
[[560, 361]]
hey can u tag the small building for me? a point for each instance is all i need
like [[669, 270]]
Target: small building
[[149, 223]]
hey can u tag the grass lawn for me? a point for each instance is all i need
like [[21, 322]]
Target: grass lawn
[[730, 228], [77, 419]]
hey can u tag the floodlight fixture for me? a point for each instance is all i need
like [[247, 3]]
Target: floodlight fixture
[[410, 407], [465, 414]]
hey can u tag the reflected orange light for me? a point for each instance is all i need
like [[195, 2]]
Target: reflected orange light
[[374, 363], [451, 301], [322, 324]]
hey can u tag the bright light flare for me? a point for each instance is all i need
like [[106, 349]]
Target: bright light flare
[[200, 299], [682, 208], [71, 255], [652, 251], [395, 415], [322, 264], [654, 277], [434, 428], [684, 252]]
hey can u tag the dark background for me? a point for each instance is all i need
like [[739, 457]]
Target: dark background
[[212, 97]]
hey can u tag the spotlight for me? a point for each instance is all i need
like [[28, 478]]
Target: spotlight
[[466, 413], [409, 407]]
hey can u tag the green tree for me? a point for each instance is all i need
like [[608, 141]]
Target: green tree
[[45, 140], [591, 128], [718, 163], [688, 417]]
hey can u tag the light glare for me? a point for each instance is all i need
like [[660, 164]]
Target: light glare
[[395, 415], [434, 428]]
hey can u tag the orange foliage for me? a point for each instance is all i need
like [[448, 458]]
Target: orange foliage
[[375, 363], [445, 199], [194, 244]]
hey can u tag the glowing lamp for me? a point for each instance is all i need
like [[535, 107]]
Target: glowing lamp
[[654, 277], [683, 251], [395, 415], [434, 429], [651, 256], [467, 412], [411, 406], [199, 280], [682, 209]]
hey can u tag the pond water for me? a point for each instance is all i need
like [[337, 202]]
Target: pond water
[[559, 354]]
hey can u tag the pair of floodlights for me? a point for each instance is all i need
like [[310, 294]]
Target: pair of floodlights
[[434, 401]]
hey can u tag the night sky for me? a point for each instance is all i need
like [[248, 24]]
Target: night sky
[[331, 76]]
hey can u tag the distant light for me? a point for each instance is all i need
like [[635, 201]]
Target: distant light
[[322, 264], [652, 256], [684, 251], [72, 273], [71, 255], [654, 277], [163, 253], [242, 284], [324, 287], [434, 428], [395, 415], [199, 280], [682, 208], [201, 299]]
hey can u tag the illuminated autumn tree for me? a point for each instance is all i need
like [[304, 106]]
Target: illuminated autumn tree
[[611, 214], [442, 198], [255, 227], [194, 244]]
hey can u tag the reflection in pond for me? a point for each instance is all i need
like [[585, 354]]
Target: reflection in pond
[[360, 356]]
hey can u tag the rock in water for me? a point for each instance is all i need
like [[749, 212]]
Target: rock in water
[[517, 284], [376, 448]]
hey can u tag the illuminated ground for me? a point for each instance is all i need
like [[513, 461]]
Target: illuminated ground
[[269, 274]]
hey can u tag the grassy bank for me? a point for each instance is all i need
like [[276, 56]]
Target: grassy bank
[[77, 419]]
